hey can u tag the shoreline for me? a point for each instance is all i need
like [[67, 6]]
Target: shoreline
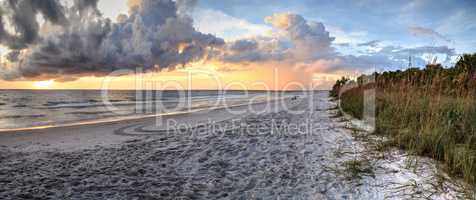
[[126, 118], [86, 135]]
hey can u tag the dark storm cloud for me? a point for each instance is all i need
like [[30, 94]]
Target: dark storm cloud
[[3, 34], [13, 56], [244, 45], [81, 5], [156, 34], [23, 18]]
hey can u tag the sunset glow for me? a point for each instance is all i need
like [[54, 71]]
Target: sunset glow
[[43, 84]]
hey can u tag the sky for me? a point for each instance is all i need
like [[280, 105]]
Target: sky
[[214, 44]]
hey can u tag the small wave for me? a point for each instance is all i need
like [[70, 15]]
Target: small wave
[[20, 106], [54, 103], [88, 113], [85, 104], [70, 105], [116, 103], [20, 116], [2, 104]]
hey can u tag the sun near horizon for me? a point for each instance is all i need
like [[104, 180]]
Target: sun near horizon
[[43, 84]]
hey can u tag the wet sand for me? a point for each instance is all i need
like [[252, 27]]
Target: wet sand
[[277, 154]]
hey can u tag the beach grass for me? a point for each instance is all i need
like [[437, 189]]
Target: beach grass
[[356, 169], [430, 112]]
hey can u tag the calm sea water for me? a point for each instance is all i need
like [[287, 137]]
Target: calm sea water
[[33, 108]]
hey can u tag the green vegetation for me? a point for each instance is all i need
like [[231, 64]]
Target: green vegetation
[[337, 86], [356, 169], [353, 102], [429, 111]]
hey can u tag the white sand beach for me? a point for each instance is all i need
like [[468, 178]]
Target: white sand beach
[[276, 154]]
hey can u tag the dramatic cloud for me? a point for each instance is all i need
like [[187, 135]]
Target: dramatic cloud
[[260, 49], [244, 45], [295, 40], [156, 34], [23, 18], [427, 32], [310, 39], [77, 41]]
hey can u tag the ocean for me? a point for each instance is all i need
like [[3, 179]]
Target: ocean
[[20, 109]]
